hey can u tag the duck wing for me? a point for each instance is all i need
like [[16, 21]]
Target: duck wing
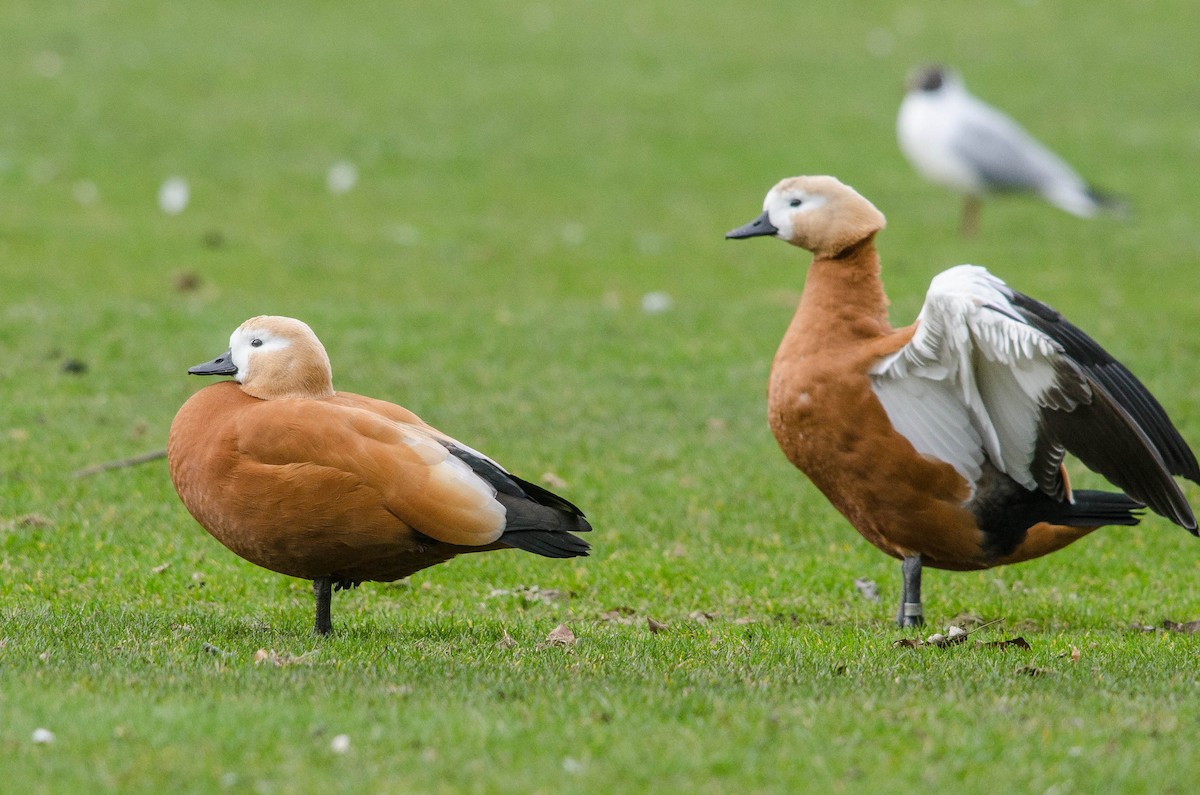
[[992, 375]]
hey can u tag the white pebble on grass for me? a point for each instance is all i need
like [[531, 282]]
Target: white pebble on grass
[[340, 744], [881, 43], [656, 303], [342, 177], [174, 195], [48, 63], [406, 235], [573, 233], [85, 192], [43, 736]]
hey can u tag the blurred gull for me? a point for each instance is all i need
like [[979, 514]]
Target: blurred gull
[[954, 139]]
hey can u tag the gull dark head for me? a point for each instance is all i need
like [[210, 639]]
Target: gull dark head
[[931, 78]]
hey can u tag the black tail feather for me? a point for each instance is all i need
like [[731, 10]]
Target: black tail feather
[[543, 529], [547, 543], [537, 520], [546, 497], [1007, 510], [1100, 508]]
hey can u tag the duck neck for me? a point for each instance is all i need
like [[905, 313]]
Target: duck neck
[[843, 302]]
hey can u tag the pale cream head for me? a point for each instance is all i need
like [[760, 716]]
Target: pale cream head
[[821, 214], [280, 357]]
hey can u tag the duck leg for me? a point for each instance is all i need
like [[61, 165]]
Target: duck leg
[[323, 591], [910, 614]]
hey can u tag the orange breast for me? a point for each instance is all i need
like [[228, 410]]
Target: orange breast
[[831, 426]]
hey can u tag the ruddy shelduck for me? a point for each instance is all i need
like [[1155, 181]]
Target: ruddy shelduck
[[336, 487], [954, 139], [943, 442]]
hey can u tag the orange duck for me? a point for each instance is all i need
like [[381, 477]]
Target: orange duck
[[339, 488], [943, 442]]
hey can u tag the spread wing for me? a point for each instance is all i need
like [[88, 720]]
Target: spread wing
[[992, 375]]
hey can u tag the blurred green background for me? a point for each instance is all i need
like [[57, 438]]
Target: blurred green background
[[508, 217]]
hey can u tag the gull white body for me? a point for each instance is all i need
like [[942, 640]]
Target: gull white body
[[958, 141]]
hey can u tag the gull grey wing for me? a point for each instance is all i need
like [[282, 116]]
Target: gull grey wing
[[1006, 157]]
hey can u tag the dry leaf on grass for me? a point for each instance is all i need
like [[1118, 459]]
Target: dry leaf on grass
[[561, 636], [655, 626], [531, 593], [868, 589], [676, 551], [701, 616], [953, 637], [969, 621], [1012, 643], [1187, 628], [1032, 671], [619, 615], [956, 635], [188, 281], [553, 480], [33, 521], [279, 660], [506, 641]]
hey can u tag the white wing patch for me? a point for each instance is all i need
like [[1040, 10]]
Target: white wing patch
[[972, 381], [449, 471], [929, 414]]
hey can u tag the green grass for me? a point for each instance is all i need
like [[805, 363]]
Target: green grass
[[527, 174]]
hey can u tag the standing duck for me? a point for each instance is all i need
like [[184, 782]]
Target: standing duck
[[954, 139], [943, 442], [336, 487]]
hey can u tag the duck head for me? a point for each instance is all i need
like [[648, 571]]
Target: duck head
[[819, 214], [274, 357]]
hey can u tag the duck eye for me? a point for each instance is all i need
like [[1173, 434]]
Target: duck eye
[[795, 202], [255, 343]]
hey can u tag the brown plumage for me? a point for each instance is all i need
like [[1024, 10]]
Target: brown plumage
[[942, 442], [336, 487]]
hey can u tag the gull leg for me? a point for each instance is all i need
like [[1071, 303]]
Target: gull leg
[[970, 218], [910, 614], [323, 591]]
